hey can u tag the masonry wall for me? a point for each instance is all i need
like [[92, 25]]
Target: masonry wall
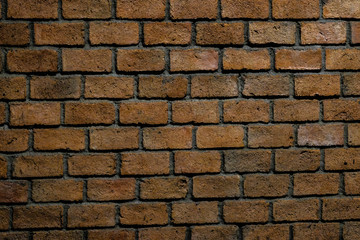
[[180, 119]]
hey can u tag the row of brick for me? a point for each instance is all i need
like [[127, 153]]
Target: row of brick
[[180, 9], [178, 33]]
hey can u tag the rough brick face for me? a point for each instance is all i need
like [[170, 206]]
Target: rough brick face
[[15, 140], [247, 160], [38, 166], [296, 110], [59, 139], [79, 60], [162, 86], [236, 211], [167, 33], [195, 212], [316, 231], [342, 59], [57, 190], [109, 87], [13, 191], [88, 9], [114, 33], [197, 162], [144, 214], [111, 190], [265, 85], [317, 85], [193, 60], [139, 9], [14, 34], [288, 59], [176, 233], [341, 209], [271, 136], [342, 159], [197, 112], [220, 137], [32, 9], [341, 9], [276, 33], [13, 88], [245, 9], [164, 188], [266, 185], [321, 135], [240, 59], [316, 184], [167, 138], [143, 113], [99, 164], [289, 160], [59, 34], [323, 33], [38, 217], [230, 232], [275, 231], [89, 113], [140, 60], [246, 111], [212, 86], [114, 138], [94, 215], [293, 9], [149, 163], [216, 186], [193, 9], [220, 33], [296, 210]]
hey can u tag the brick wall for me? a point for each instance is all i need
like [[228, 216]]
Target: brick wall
[[180, 119]]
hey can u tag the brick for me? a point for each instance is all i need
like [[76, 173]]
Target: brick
[[143, 214], [350, 84], [272, 33], [296, 110], [59, 34], [81, 60], [321, 135], [13, 191], [27, 114], [216, 186], [194, 60], [323, 33], [289, 59], [26, 60], [140, 60], [195, 112], [59, 139], [351, 231], [88, 9], [2, 113], [38, 217], [293, 9], [48, 87], [111, 189], [296, 210], [247, 160], [213, 86], [342, 59], [246, 111], [77, 113], [86, 165], [87, 216], [239, 211], [109, 87], [316, 231], [28, 9], [3, 167], [168, 33], [59, 235], [14, 140], [220, 137], [265, 85], [140, 9], [273, 231], [197, 162], [354, 134], [341, 9], [297, 160], [194, 212], [117, 33], [145, 163], [175, 233], [352, 183], [257, 185], [193, 9], [15, 235], [114, 138], [242, 59], [317, 85], [115, 234], [4, 218], [316, 184], [38, 166], [143, 113], [12, 88], [245, 9], [355, 32], [53, 190], [229, 232], [164, 188], [15, 34], [341, 110], [271, 136], [167, 138], [162, 86], [342, 159], [220, 33], [341, 209]]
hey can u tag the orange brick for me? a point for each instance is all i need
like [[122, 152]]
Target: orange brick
[[118, 33], [80, 60], [14, 34], [352, 183], [13, 191], [354, 134], [194, 60], [194, 212], [167, 138], [355, 32], [296, 210], [140, 9], [341, 209], [140, 60], [197, 162], [38, 166], [99, 215], [57, 190], [162, 86], [28, 9], [271, 136], [257, 185], [241, 59], [317, 85], [114, 138], [270, 32], [289, 59], [143, 113], [88, 9], [14, 140], [4, 218], [145, 163], [220, 33], [247, 160], [216, 186], [109, 87], [273, 231], [164, 188], [245, 9], [168, 33], [246, 111], [296, 110], [116, 234], [195, 112], [77, 113], [313, 231], [323, 33], [341, 9], [143, 214], [12, 88], [220, 137], [111, 189], [193, 9], [212, 86], [321, 135], [59, 33], [343, 59], [294, 9], [265, 85], [58, 235], [99, 164], [174, 233], [230, 232], [342, 159], [341, 110], [351, 231], [59, 139], [350, 84], [3, 167], [296, 160], [239, 211], [316, 184]]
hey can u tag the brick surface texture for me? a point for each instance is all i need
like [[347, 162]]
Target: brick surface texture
[[179, 119]]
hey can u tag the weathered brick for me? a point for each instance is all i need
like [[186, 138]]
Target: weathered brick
[[257, 185], [114, 234], [216, 186], [321, 135], [342, 159], [140, 60], [273, 231], [197, 162], [317, 85], [58, 235], [247, 160], [114, 138], [38, 166], [3, 167], [343, 59], [293, 9], [2, 113], [340, 209], [296, 210], [341, 9], [355, 32], [95, 164], [167, 138], [89, 113], [242, 59], [272, 33], [4, 218], [86, 60], [145, 163], [195, 212], [59, 139], [316, 184], [14, 140], [265, 85], [316, 231], [140, 9], [168, 33], [296, 110], [12, 88], [246, 111], [195, 112], [323, 33], [354, 134], [164, 188], [193, 9], [351, 231], [109, 87], [220, 33], [59, 33], [194, 60], [271, 136], [28, 9], [143, 113], [212, 86], [341, 110], [220, 136], [86, 216], [15, 235], [296, 160], [245, 9], [246, 211], [229, 232], [54, 190], [289, 59], [175, 233], [162, 86], [350, 84], [118, 33], [88, 9], [111, 189], [352, 183], [143, 214], [15, 34], [13, 191]]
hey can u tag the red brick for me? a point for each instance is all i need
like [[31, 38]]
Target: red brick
[[143, 214], [257, 185], [350, 84], [38, 166], [59, 235], [109, 87], [341, 209], [28, 9], [294, 9], [245, 9], [167, 138], [77, 113], [88, 9], [229, 232], [271, 136], [140, 60], [174, 233], [247, 160], [355, 32], [343, 59], [164, 188], [341, 110], [246, 111], [2, 113], [216, 186], [143, 113], [27, 60], [241, 59], [25, 114], [14, 34], [220, 33], [118, 33], [53, 190], [296, 210], [162, 86], [145, 163], [99, 215], [213, 86], [13, 191], [59, 34], [59, 139], [265, 85], [351, 231], [140, 9], [321, 135], [194, 60], [296, 160], [193, 9], [354, 134], [352, 183], [220, 137], [111, 189], [194, 212], [317, 85], [316, 184], [197, 162], [168, 33], [296, 110], [3, 167], [342, 159], [272, 33], [316, 231], [289, 59], [323, 33], [114, 138], [81, 60], [273, 231], [246, 211], [99, 164], [14, 140], [4, 218], [15, 235], [195, 112], [341, 9], [12, 88], [114, 234]]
